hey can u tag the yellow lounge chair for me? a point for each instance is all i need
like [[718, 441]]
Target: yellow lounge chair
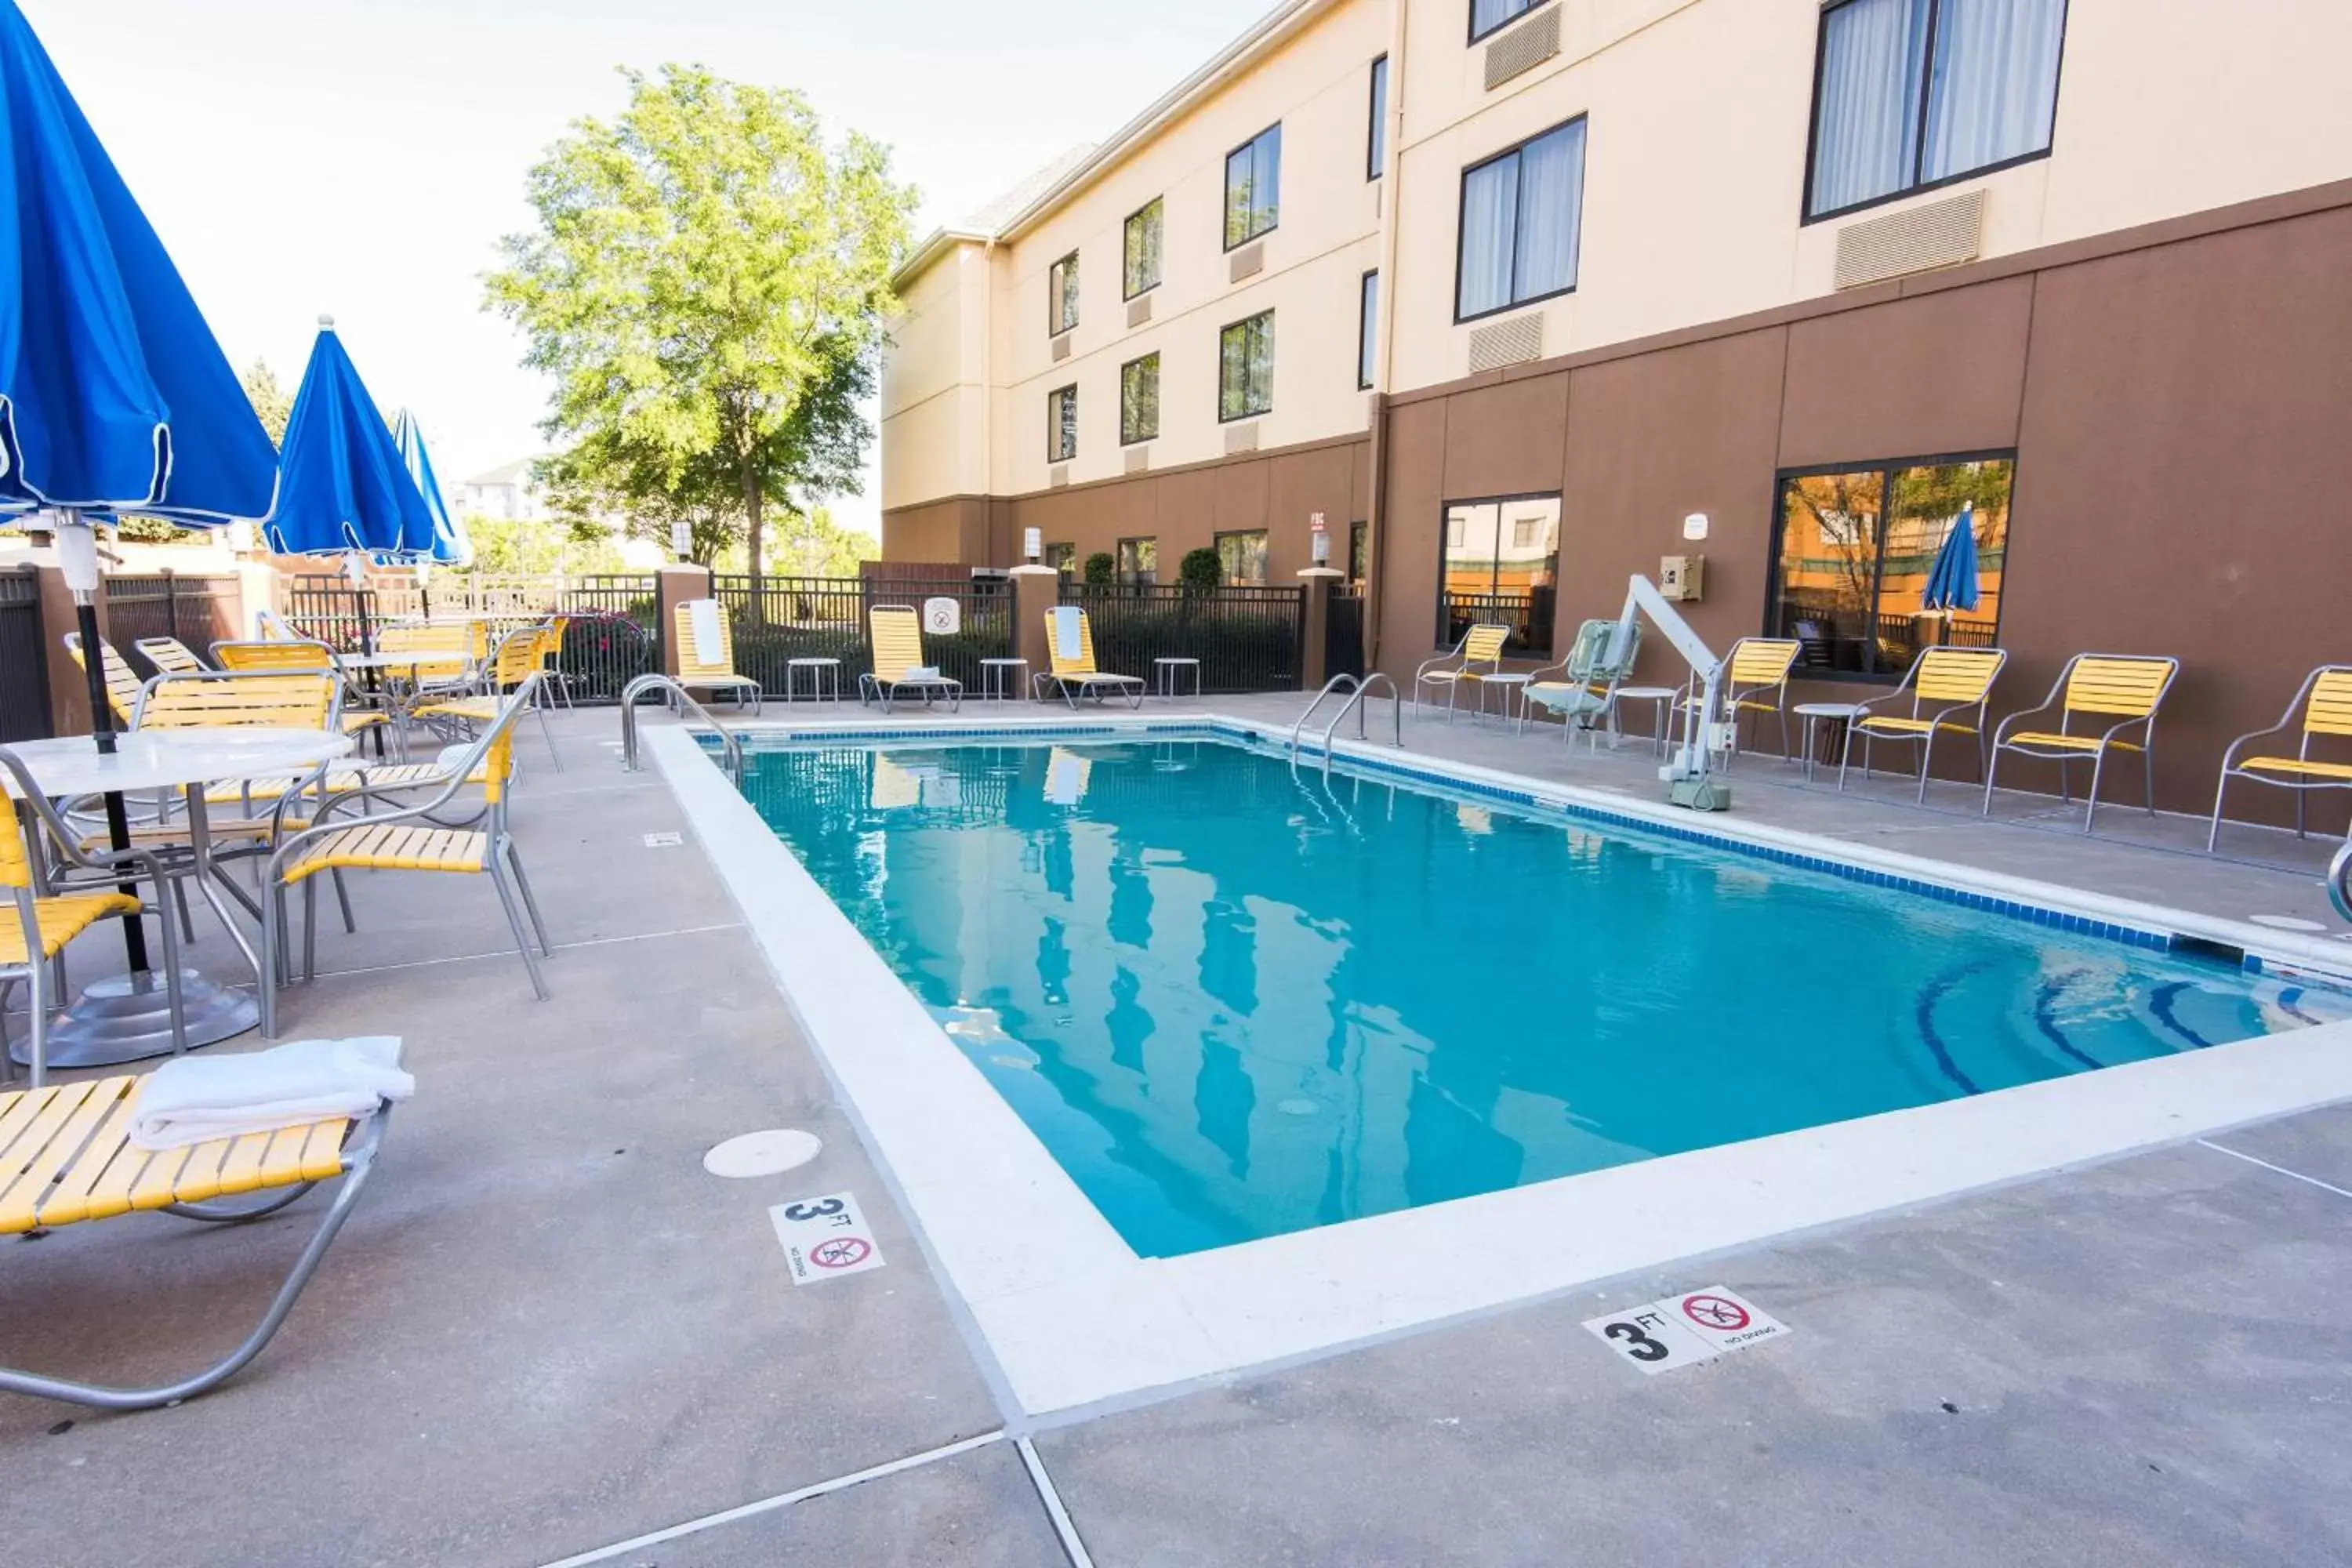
[[1479, 654], [121, 684], [1759, 668], [2126, 688], [1950, 689], [402, 840], [2326, 701], [1070, 648], [66, 1157], [170, 656], [285, 653], [705, 660], [896, 632], [36, 922]]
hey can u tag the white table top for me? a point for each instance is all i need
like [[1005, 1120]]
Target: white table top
[[812, 660], [1649, 693], [1175, 661], [168, 759], [1829, 709], [400, 660], [1006, 662]]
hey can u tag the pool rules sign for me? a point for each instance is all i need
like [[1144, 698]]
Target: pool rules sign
[[1682, 1331], [825, 1239]]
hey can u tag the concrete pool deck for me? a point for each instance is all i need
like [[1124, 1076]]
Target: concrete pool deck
[[547, 1332]]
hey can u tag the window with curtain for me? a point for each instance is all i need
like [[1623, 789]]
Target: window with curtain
[[1062, 294], [1243, 556], [1253, 187], [1144, 250], [1913, 93], [1367, 330], [1501, 567], [1245, 368], [1486, 16], [1138, 562], [1522, 213], [1358, 535], [1063, 558], [1376, 144], [1062, 425], [1858, 548], [1139, 400]]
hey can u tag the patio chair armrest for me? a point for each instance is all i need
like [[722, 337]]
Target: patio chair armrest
[[2230, 752], [2000, 731], [1433, 660], [1557, 666]]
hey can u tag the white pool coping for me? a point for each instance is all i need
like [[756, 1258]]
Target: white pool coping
[[1075, 1317]]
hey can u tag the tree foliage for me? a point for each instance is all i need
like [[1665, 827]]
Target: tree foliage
[[1101, 570], [1202, 571], [707, 285], [272, 402]]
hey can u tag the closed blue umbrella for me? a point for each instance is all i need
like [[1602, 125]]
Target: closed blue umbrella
[[1952, 580], [450, 545], [343, 486]]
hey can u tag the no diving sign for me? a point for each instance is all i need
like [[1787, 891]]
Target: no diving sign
[[825, 1239], [1683, 1330]]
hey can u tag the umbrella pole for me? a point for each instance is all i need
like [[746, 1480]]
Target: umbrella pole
[[101, 729]]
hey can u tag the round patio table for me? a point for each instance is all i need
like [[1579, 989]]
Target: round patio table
[[125, 1017]]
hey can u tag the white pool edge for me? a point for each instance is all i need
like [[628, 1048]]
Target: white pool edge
[[1075, 1317]]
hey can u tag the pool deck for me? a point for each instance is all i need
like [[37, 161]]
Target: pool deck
[[546, 1332]]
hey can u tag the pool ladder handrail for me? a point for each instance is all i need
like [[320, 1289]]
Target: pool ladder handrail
[[1358, 687], [675, 696], [2339, 881]]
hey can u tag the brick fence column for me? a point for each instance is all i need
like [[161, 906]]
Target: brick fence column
[[1314, 624], [1036, 590]]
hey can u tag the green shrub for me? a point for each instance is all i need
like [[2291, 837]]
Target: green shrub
[[1102, 569], [1201, 571]]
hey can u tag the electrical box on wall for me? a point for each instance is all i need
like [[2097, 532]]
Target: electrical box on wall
[[1682, 578]]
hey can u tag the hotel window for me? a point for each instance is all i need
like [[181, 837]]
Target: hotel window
[[1062, 425], [1243, 556], [1358, 536], [1858, 547], [1142, 248], [1376, 144], [1368, 327], [1139, 400], [1063, 558], [1245, 369], [1913, 93], [1253, 187], [1138, 562], [1522, 212], [1062, 293], [1486, 16], [1501, 565]]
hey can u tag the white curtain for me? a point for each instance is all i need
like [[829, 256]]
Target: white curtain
[[1867, 121], [1490, 218], [1996, 84], [1486, 16], [1551, 198]]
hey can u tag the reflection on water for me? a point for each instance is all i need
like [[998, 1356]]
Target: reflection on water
[[1236, 1002]]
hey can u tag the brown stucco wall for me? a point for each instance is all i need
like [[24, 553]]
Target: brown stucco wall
[[955, 528], [2177, 398]]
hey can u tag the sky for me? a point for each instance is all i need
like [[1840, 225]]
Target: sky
[[361, 158]]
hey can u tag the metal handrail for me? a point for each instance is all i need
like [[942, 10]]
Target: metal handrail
[[1351, 682], [679, 696], [1356, 705], [2339, 881]]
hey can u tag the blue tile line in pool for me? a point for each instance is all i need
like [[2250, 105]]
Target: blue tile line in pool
[[2031, 914]]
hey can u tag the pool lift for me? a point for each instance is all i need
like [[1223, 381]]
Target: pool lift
[[1688, 774]]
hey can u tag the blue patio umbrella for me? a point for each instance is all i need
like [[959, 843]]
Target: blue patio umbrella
[[450, 545], [344, 488], [1952, 580]]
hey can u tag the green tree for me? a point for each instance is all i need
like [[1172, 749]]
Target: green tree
[[270, 401], [1102, 569], [708, 285], [1202, 571]]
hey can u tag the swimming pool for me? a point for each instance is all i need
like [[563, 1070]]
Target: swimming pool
[[1233, 1004]]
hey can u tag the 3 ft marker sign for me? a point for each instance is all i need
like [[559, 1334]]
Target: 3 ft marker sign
[[825, 1239], [1683, 1329]]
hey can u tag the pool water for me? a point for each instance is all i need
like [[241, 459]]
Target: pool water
[[1235, 1002]]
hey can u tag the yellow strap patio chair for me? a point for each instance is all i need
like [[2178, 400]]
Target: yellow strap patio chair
[[37, 922], [1755, 682], [405, 839], [705, 652], [1950, 691], [67, 1158], [2324, 700], [170, 656], [516, 663], [2099, 699], [552, 638], [1479, 655], [121, 684], [1073, 672], [287, 653], [897, 633]]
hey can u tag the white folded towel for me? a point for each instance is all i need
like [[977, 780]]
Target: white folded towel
[[702, 621], [923, 672], [194, 1100], [1067, 632]]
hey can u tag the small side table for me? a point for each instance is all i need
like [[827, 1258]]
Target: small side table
[[1509, 683], [997, 681], [1164, 672], [1658, 697], [1841, 714], [822, 672]]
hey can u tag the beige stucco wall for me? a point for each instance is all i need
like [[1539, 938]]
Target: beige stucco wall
[[934, 382]]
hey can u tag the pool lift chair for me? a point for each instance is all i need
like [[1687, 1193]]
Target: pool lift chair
[[1688, 774]]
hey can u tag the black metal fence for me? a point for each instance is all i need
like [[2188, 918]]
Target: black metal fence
[[1343, 632], [24, 659], [197, 611], [614, 634], [825, 617], [1529, 617], [330, 610], [1247, 639]]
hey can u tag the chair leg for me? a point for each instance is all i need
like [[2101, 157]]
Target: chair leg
[[529, 901], [1926, 761], [36, 1004], [2098, 766], [1993, 766], [514, 922], [309, 929], [344, 897], [175, 1002], [549, 736], [2147, 764], [2213, 838], [179, 899]]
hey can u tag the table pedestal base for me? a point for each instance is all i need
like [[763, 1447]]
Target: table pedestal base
[[125, 1018]]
